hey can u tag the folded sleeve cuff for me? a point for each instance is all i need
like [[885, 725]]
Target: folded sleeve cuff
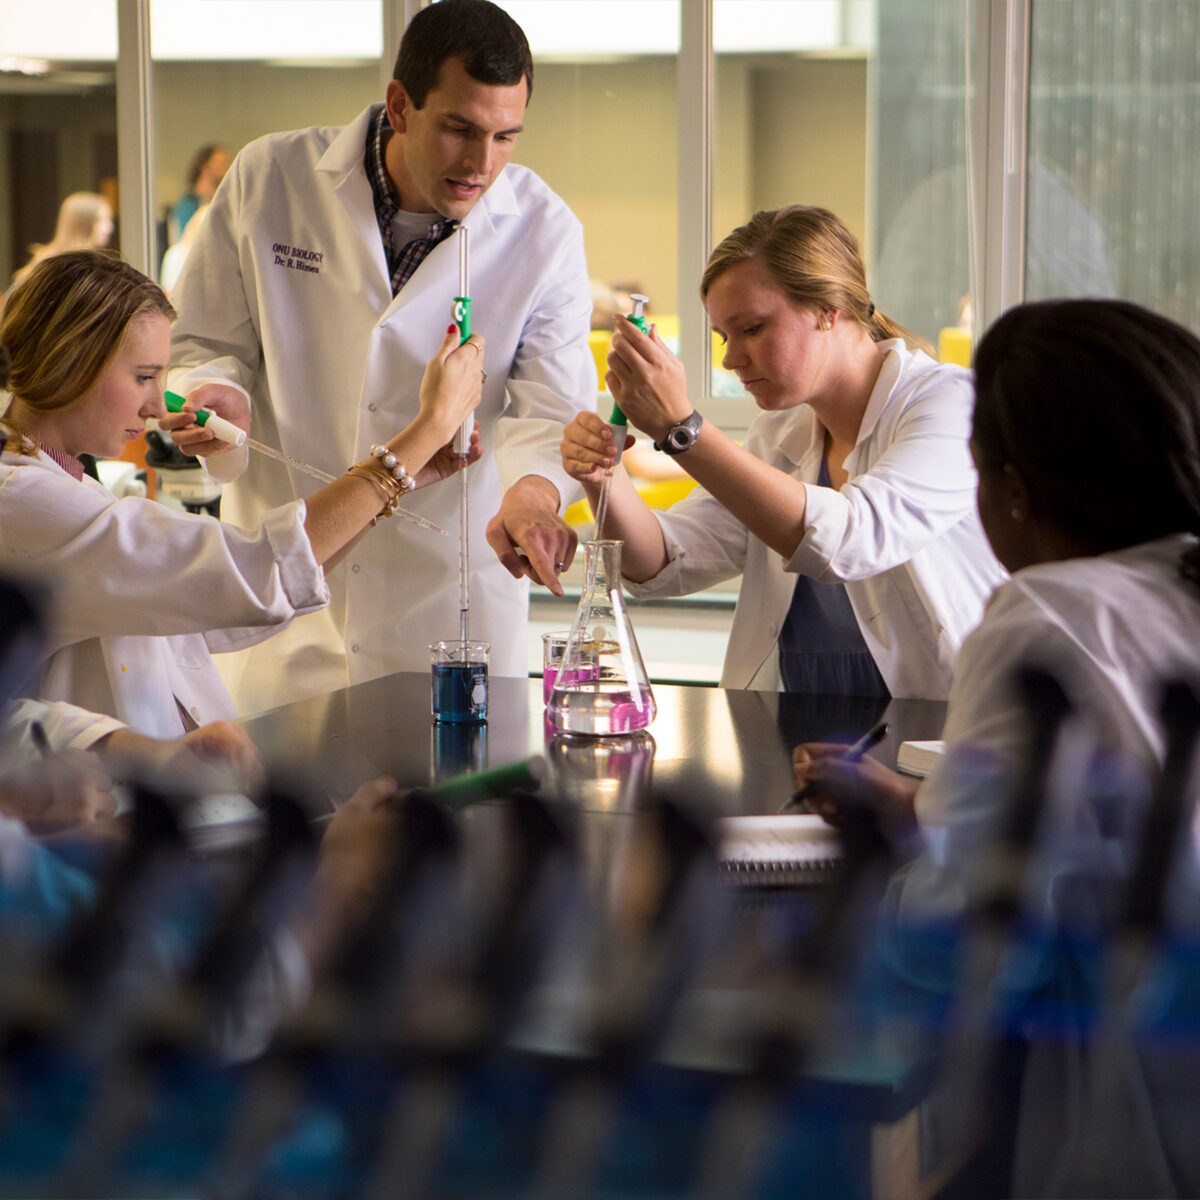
[[302, 576], [825, 515]]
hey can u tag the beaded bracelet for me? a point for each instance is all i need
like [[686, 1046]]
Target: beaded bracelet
[[386, 474], [392, 465]]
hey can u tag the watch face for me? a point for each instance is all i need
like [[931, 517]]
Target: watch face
[[681, 437]]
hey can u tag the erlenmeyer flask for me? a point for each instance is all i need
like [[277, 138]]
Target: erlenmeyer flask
[[601, 687]]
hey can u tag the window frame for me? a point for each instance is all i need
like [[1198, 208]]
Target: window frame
[[998, 152]]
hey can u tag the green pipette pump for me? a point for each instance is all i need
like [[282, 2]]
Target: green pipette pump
[[462, 318], [221, 429], [618, 422], [227, 431]]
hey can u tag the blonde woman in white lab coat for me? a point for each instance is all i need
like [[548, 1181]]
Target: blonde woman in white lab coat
[[139, 593], [850, 509]]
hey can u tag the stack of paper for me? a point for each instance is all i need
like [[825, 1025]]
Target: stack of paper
[[919, 758]]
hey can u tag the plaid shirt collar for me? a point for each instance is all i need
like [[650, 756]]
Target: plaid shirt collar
[[402, 261]]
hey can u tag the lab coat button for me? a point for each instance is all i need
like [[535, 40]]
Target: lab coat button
[[354, 648], [356, 568], [773, 629], [372, 407]]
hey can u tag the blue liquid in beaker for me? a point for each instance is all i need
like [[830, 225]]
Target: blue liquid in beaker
[[460, 692]]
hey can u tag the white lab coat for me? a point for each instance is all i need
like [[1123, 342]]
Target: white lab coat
[[902, 534], [1112, 629], [66, 726], [140, 593], [333, 364]]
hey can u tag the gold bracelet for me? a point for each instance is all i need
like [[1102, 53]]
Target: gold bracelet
[[388, 475], [382, 482]]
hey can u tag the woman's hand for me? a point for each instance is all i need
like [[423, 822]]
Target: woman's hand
[[452, 385], [587, 448], [837, 786], [216, 757], [350, 869], [69, 789], [227, 402], [646, 380], [447, 461]]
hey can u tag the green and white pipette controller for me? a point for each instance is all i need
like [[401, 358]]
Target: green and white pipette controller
[[221, 429], [227, 431], [617, 421], [462, 318]]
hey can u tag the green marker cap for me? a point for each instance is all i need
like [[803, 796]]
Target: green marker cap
[[493, 784]]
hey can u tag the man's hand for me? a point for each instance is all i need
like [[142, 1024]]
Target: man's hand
[[225, 401], [528, 535]]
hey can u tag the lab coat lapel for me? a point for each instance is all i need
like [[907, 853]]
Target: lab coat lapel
[[343, 164], [889, 373], [803, 442]]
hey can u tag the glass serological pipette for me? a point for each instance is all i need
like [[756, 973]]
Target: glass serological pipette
[[227, 431], [618, 424], [462, 318]]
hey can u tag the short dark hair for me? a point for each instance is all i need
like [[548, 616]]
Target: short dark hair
[[1097, 404], [489, 43]]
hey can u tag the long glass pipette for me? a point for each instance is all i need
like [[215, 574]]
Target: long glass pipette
[[462, 318], [226, 431], [618, 424]]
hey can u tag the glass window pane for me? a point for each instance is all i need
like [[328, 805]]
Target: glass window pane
[[282, 71], [1114, 153], [791, 129], [601, 131], [918, 260], [58, 113]]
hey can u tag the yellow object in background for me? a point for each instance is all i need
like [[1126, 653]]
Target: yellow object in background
[[667, 327], [598, 342], [954, 346], [659, 494]]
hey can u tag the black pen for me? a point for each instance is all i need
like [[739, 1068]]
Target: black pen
[[852, 754], [37, 732]]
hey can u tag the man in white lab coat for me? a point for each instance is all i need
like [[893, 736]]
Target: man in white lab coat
[[318, 287]]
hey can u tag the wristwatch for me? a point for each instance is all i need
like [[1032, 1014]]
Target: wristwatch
[[681, 437]]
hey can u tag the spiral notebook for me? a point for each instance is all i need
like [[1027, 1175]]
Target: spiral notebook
[[787, 850]]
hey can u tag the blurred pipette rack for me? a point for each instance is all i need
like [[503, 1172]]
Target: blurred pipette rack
[[226, 431]]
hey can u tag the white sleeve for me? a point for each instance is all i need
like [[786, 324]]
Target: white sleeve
[[66, 727], [706, 544], [134, 567], [215, 338], [553, 375], [920, 486]]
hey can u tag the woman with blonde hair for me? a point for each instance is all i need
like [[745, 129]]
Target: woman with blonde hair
[[85, 222], [849, 510], [141, 593]]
